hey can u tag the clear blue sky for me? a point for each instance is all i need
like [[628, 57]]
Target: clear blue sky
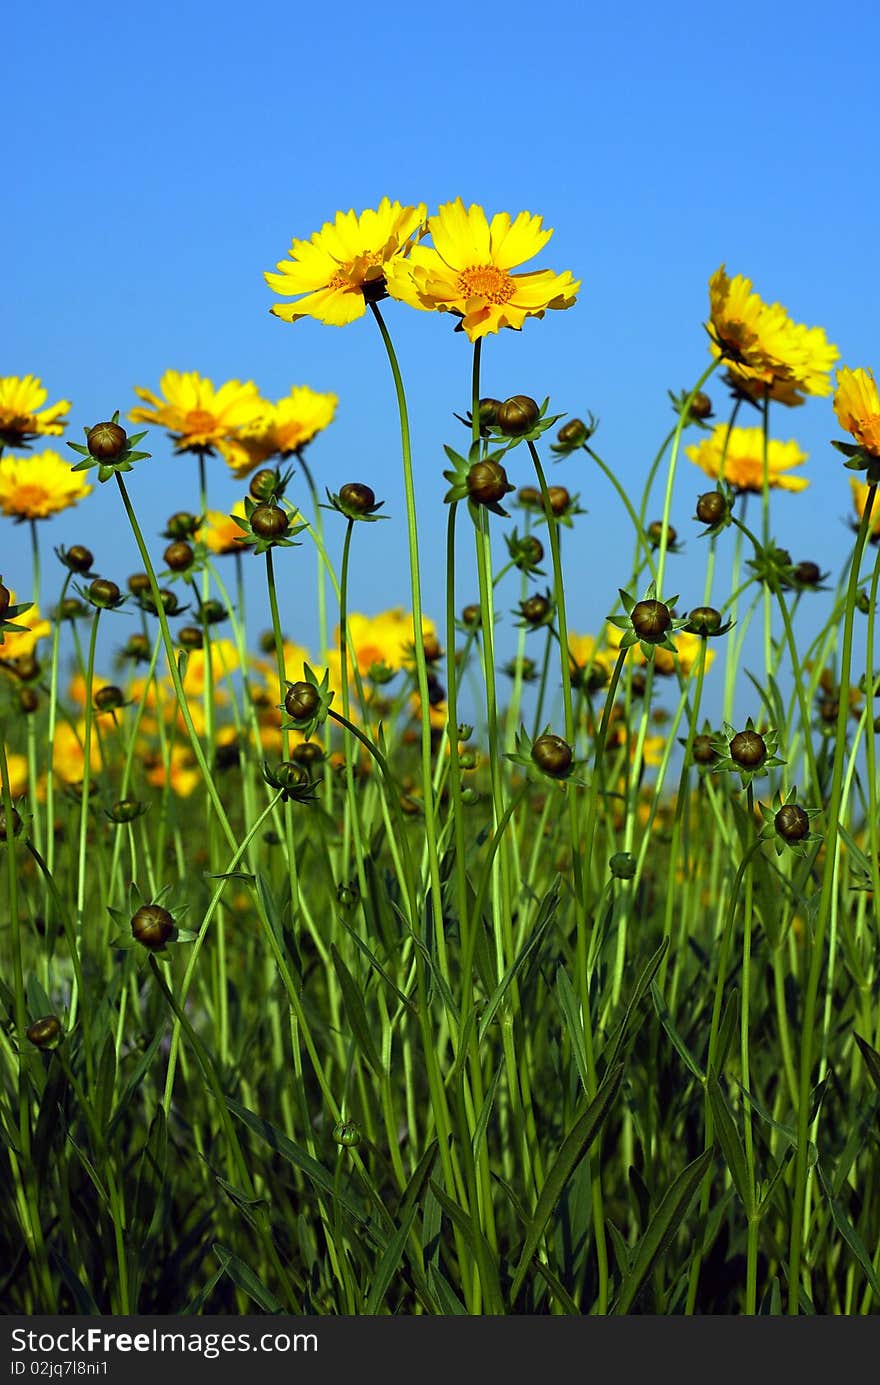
[[160, 157]]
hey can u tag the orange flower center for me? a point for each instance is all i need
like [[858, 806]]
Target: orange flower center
[[30, 499], [486, 281], [199, 421]]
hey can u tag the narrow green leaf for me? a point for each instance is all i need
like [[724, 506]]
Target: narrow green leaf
[[675, 1038], [85, 1304], [390, 1260], [247, 1279], [730, 1141], [664, 1224], [621, 1249], [485, 1112], [357, 1015], [854, 1241], [572, 1150], [549, 905], [479, 1247], [134, 1082], [450, 1304], [729, 1017], [570, 1007], [198, 1301], [649, 971]]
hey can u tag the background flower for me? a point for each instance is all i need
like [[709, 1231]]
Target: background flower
[[280, 430], [21, 417], [857, 405], [39, 485], [743, 465], [198, 416]]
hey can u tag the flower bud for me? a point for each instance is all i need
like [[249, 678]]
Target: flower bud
[[704, 620], [464, 730], [553, 755], [16, 823], [431, 647], [302, 701], [622, 865], [530, 552], [138, 583], [574, 433], [487, 483], [103, 593], [638, 683], [704, 751], [700, 406], [263, 484], [471, 617], [137, 647], [655, 534], [28, 668], [807, 574], [5, 600], [358, 498], [107, 441], [559, 499], [45, 1033], [530, 498], [517, 415], [487, 411], [535, 609], [748, 748], [191, 637], [651, 620], [78, 558], [792, 822], [28, 700], [72, 608], [109, 698], [468, 758], [711, 508], [269, 522], [182, 525], [213, 611], [178, 556], [152, 926], [347, 1134], [308, 753], [126, 810]]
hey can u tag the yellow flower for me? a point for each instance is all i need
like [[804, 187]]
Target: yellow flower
[[181, 774], [220, 531], [386, 638], [20, 421], [467, 271], [589, 653], [40, 485], [687, 647], [769, 355], [857, 405], [68, 754], [860, 491], [18, 774], [224, 661], [279, 430], [743, 466], [18, 645], [197, 416], [333, 275]]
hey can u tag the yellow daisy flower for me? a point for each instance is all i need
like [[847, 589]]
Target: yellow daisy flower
[[197, 416], [20, 644], [857, 405], [769, 355], [224, 662], [687, 648], [21, 418], [39, 485], [18, 774], [590, 653], [280, 430], [467, 271], [181, 774], [68, 752], [343, 266], [386, 638], [743, 466]]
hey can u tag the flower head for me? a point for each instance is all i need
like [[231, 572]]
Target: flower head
[[742, 463], [468, 270], [857, 405], [38, 486], [279, 430], [860, 492], [220, 532], [333, 275], [769, 356], [197, 416], [21, 417]]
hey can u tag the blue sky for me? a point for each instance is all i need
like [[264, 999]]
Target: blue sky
[[164, 157]]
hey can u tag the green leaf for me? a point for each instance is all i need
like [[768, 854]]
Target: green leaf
[[485, 1112], [730, 1141], [134, 1082], [391, 1257], [357, 1015], [675, 1038], [729, 1016], [570, 1007], [247, 1280], [649, 971], [450, 1304], [664, 1224], [548, 907], [150, 1179], [571, 1152], [478, 1246], [850, 1235]]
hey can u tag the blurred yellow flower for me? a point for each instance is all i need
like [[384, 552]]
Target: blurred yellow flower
[[197, 416], [220, 531], [857, 405], [590, 653], [333, 275], [768, 355], [21, 417], [40, 485], [18, 773], [280, 430], [860, 495], [178, 771], [743, 466], [386, 638], [17, 645], [68, 754], [224, 661], [687, 648], [467, 271]]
